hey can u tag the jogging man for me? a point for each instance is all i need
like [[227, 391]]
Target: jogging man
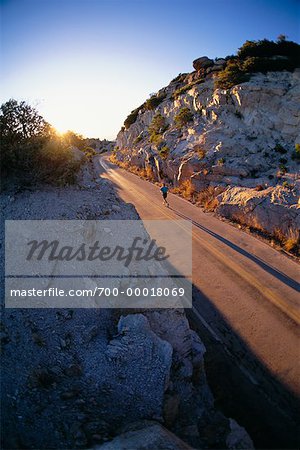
[[164, 189]]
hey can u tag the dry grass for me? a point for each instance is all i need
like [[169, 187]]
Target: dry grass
[[207, 198], [290, 241], [186, 190], [146, 173]]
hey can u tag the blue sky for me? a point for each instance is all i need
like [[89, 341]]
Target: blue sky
[[85, 64]]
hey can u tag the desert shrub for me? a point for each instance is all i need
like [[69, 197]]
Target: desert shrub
[[186, 88], [156, 139], [186, 190], [231, 75], [283, 160], [283, 169], [180, 77], [89, 152], [164, 152], [149, 173], [156, 128], [266, 48], [183, 117], [238, 114], [207, 198], [262, 64], [290, 241], [158, 124], [280, 149], [288, 185], [131, 118], [154, 101], [258, 56], [296, 153], [138, 139], [201, 153]]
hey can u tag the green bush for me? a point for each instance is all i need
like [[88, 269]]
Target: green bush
[[280, 149], [156, 128], [231, 75], [264, 64], [164, 152], [266, 48], [296, 153], [183, 117], [258, 56], [158, 124], [283, 169], [55, 163], [238, 114], [89, 152], [154, 101], [137, 139], [131, 118]]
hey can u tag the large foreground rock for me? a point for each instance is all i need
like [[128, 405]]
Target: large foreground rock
[[146, 436], [271, 210]]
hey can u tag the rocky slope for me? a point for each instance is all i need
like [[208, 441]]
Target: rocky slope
[[74, 378], [238, 140]]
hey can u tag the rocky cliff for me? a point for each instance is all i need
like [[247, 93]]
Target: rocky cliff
[[245, 136]]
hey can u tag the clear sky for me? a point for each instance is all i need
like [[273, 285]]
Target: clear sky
[[85, 64]]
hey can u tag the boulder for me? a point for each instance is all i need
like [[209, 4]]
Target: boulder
[[271, 210], [188, 167], [220, 62], [145, 436], [238, 438], [202, 63]]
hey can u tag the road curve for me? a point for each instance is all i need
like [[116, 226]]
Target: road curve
[[253, 286], [246, 294]]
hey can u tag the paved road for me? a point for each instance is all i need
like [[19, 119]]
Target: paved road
[[246, 294]]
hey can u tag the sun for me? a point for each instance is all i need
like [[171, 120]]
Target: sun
[[60, 131]]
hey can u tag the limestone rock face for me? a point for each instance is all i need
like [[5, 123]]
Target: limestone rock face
[[241, 137], [202, 63]]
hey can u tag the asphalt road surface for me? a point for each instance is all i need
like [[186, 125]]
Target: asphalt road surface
[[246, 309]]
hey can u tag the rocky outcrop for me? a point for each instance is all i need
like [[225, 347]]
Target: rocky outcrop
[[202, 63], [245, 137], [273, 210]]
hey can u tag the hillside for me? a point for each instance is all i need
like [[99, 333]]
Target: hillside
[[227, 137]]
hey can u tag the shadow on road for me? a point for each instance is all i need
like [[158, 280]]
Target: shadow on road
[[268, 410], [271, 270]]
